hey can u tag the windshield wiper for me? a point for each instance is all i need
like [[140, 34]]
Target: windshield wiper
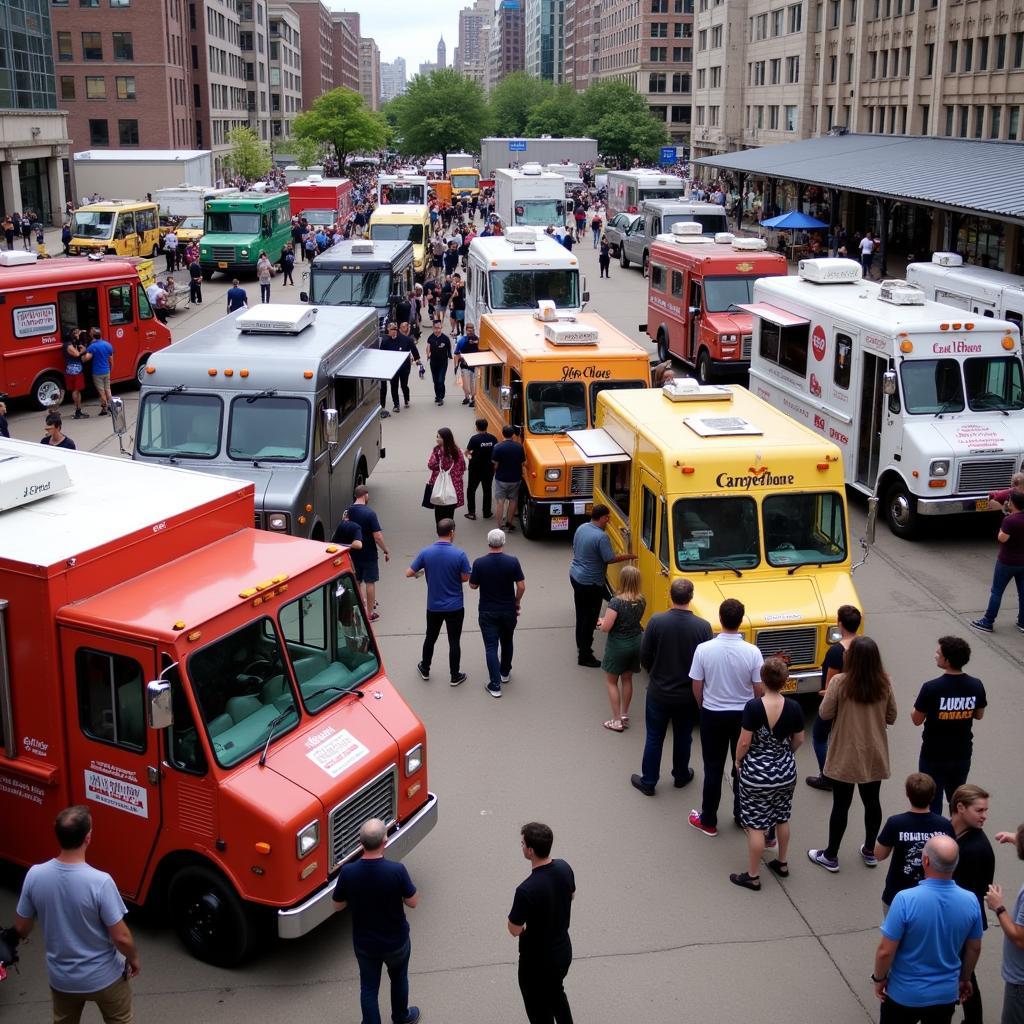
[[164, 395], [802, 565], [274, 723], [722, 564], [261, 394], [950, 402], [307, 697]]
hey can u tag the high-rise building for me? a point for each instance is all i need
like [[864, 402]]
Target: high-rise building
[[507, 42], [254, 40], [471, 54], [392, 79], [442, 54], [369, 72], [33, 130], [285, 70], [544, 39], [582, 42]]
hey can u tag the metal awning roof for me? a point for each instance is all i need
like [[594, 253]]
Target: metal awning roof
[[772, 313], [974, 176]]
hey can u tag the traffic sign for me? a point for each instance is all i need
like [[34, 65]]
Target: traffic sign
[[517, 145], [668, 156]]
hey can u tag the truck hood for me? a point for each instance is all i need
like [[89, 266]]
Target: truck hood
[[278, 487], [776, 602], [730, 323], [967, 434]]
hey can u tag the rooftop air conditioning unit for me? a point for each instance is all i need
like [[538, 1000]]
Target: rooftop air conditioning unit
[[521, 238], [315, 179], [724, 238], [27, 478], [687, 228], [569, 334], [276, 318], [827, 270], [532, 168], [749, 245], [362, 246], [900, 293], [16, 258], [686, 389], [947, 259]]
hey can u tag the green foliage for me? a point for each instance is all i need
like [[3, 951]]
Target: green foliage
[[340, 119], [307, 152], [557, 114], [609, 97], [249, 157], [628, 137], [513, 100], [442, 112]]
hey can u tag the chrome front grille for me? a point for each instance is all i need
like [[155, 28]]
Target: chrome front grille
[[581, 485], [224, 253], [377, 799], [799, 644], [259, 521], [983, 475], [745, 346]]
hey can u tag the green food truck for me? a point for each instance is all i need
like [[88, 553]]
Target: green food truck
[[238, 227]]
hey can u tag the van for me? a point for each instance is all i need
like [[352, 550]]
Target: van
[[980, 290], [239, 227], [627, 190], [712, 484], [285, 396], [542, 377], [529, 197], [660, 216], [115, 229], [362, 272], [41, 303], [404, 224]]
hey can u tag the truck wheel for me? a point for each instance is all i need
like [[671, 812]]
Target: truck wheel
[[212, 922], [48, 390], [361, 474], [140, 370], [663, 353], [901, 512], [530, 518], [623, 258], [704, 367], [646, 265]]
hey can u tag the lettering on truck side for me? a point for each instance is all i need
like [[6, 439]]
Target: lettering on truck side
[[585, 373], [762, 477], [955, 348]]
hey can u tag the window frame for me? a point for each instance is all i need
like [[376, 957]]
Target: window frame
[[81, 705]]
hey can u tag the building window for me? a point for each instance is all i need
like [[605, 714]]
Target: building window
[[88, 3], [832, 62], [659, 30], [983, 54], [700, 115], [702, 40], [929, 60], [58, 3], [128, 131], [120, 3], [1018, 50], [885, 64], [775, 70], [713, 116], [681, 83], [656, 83], [1000, 52], [979, 122], [994, 122], [659, 6], [791, 118], [99, 134], [759, 66], [778, 20], [681, 115], [64, 46], [659, 54], [949, 122], [125, 87], [964, 115], [702, 78], [954, 55], [773, 116], [792, 70], [95, 87], [1013, 123], [92, 46], [123, 49], [682, 54], [716, 78], [968, 55], [67, 87], [925, 116], [716, 36], [833, 13], [796, 17]]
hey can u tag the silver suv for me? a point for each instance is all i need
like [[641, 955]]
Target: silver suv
[[657, 217]]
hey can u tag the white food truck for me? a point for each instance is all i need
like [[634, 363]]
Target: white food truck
[[627, 190], [979, 289], [925, 400], [530, 196], [402, 189]]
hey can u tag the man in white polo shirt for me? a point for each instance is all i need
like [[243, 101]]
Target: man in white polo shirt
[[726, 673]]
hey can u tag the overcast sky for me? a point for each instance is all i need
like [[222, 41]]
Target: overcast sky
[[408, 28]]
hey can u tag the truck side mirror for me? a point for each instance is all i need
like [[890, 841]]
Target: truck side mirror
[[331, 426], [158, 704], [118, 417], [505, 398], [889, 382], [586, 294], [695, 311]]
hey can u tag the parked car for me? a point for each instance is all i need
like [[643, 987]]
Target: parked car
[[618, 226]]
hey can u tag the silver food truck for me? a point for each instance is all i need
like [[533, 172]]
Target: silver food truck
[[285, 396]]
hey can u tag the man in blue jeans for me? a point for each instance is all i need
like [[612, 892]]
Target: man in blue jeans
[[377, 891], [500, 580], [1009, 566]]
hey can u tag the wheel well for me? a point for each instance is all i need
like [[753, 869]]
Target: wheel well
[[887, 479], [156, 898], [318, 531]]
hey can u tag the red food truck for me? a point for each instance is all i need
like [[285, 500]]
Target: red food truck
[[40, 304], [322, 201], [212, 692]]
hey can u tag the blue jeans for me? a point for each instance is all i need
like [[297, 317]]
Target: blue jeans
[[658, 717], [948, 776], [370, 967], [1001, 577], [597, 236], [497, 629], [820, 732]]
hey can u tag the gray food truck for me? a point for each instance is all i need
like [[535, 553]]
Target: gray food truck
[[285, 396]]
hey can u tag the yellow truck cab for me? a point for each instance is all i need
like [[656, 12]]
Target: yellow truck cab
[[404, 224], [713, 484], [543, 377]]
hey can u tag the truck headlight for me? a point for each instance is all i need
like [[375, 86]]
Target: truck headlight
[[552, 474], [245, 252], [277, 521], [938, 467], [833, 635], [413, 760], [730, 339], [307, 839]]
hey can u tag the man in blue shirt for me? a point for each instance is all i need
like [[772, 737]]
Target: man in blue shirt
[[920, 972], [500, 580], [447, 568], [237, 299], [101, 354]]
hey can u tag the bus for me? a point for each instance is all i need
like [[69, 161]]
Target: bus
[[115, 229], [239, 227]]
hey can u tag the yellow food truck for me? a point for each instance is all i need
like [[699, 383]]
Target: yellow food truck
[[713, 484], [404, 224]]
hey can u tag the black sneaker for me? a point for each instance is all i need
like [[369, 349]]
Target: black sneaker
[[637, 782], [424, 672], [465, 401], [457, 680], [679, 783], [819, 782], [396, 409], [588, 661], [985, 627], [79, 415], [384, 414], [493, 691]]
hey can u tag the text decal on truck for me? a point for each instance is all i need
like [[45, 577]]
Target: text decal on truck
[[122, 796], [338, 753], [762, 477], [585, 373]]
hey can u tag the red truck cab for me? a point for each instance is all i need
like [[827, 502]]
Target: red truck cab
[[322, 201], [696, 289]]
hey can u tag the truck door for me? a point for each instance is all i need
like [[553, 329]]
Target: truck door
[[114, 757], [646, 544], [124, 232], [623, 503], [124, 328], [870, 419], [695, 303]]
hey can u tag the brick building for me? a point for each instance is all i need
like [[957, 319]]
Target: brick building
[[507, 41], [369, 72], [285, 70], [345, 50]]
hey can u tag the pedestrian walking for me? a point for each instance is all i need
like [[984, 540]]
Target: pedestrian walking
[[479, 452], [507, 460], [9, 233], [867, 254], [287, 264], [447, 466], [726, 674], [236, 296], [439, 353], [771, 732], [500, 580], [366, 561], [1012, 924], [861, 701], [622, 622], [446, 568], [195, 283], [468, 344], [66, 235], [948, 706], [604, 257], [264, 272], [90, 952], [666, 653], [539, 918], [596, 223], [1009, 566], [376, 891]]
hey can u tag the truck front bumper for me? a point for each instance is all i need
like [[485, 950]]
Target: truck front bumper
[[314, 910], [954, 506], [803, 680], [559, 513]]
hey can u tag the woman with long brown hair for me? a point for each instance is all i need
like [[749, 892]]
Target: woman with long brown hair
[[447, 457], [861, 704]]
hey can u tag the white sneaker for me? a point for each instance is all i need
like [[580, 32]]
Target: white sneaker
[[506, 679]]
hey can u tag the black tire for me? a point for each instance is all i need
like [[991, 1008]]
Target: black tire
[[530, 518], [663, 353], [155, 252], [645, 267], [213, 923], [207, 274], [48, 391], [623, 258], [361, 475], [900, 510], [704, 371]]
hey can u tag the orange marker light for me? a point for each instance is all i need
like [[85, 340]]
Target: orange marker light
[[229, 373], [688, 470], [150, 369], [308, 374], [906, 346], [212, 373], [263, 848], [1008, 343], [936, 483], [243, 373]]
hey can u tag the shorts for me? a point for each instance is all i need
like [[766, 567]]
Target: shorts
[[459, 314], [506, 490], [469, 378], [75, 381], [101, 381], [367, 572]]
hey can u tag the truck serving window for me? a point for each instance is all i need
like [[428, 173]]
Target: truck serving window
[[110, 698], [241, 686], [328, 642], [804, 529], [786, 346], [522, 289], [180, 425], [347, 288], [553, 407], [539, 212], [722, 294], [716, 533], [224, 222], [268, 428], [994, 383], [672, 192], [93, 224], [397, 233], [611, 385], [932, 386]]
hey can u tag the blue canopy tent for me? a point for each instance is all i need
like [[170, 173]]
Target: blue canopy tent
[[793, 220]]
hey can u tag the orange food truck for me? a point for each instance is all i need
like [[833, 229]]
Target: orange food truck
[[696, 288], [322, 201], [212, 692], [40, 304]]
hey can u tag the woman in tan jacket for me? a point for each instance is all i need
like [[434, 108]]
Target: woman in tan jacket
[[861, 703]]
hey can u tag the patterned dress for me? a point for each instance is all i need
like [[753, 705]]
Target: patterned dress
[[768, 770]]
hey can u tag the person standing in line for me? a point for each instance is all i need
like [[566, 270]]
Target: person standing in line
[[622, 622], [948, 706], [507, 460], [479, 452], [287, 264], [66, 234], [90, 952], [468, 344], [264, 272], [500, 580], [726, 673], [195, 282], [74, 370], [171, 250], [236, 296], [366, 561], [604, 257], [447, 456], [591, 555], [1012, 924], [931, 941], [595, 228], [101, 354], [861, 701], [666, 652], [849, 619], [867, 254], [1009, 566], [439, 352], [446, 568], [377, 891], [539, 918]]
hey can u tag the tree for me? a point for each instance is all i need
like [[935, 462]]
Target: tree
[[339, 119], [557, 114], [307, 152], [249, 158], [513, 100], [628, 137], [442, 112], [608, 97]]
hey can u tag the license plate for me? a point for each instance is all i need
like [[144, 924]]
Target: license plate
[[222, 266], [791, 685], [982, 505], [559, 522]]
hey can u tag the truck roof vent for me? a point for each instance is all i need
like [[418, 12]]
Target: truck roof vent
[[521, 238], [546, 311], [569, 334], [315, 179], [828, 270], [28, 478], [362, 246], [532, 168], [687, 228], [899, 293], [686, 389], [276, 318], [724, 238], [16, 258], [947, 259], [749, 244]]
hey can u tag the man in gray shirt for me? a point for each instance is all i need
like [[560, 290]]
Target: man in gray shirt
[[90, 953]]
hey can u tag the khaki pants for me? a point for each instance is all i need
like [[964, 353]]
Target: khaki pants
[[114, 1003]]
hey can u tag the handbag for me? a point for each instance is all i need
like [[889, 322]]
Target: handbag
[[427, 489], [443, 492]]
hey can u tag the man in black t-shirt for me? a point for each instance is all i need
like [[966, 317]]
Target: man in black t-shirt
[[507, 459], [539, 918], [500, 580], [481, 471], [348, 533], [948, 706], [439, 352]]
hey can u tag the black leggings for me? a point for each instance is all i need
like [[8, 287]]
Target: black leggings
[[842, 798]]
